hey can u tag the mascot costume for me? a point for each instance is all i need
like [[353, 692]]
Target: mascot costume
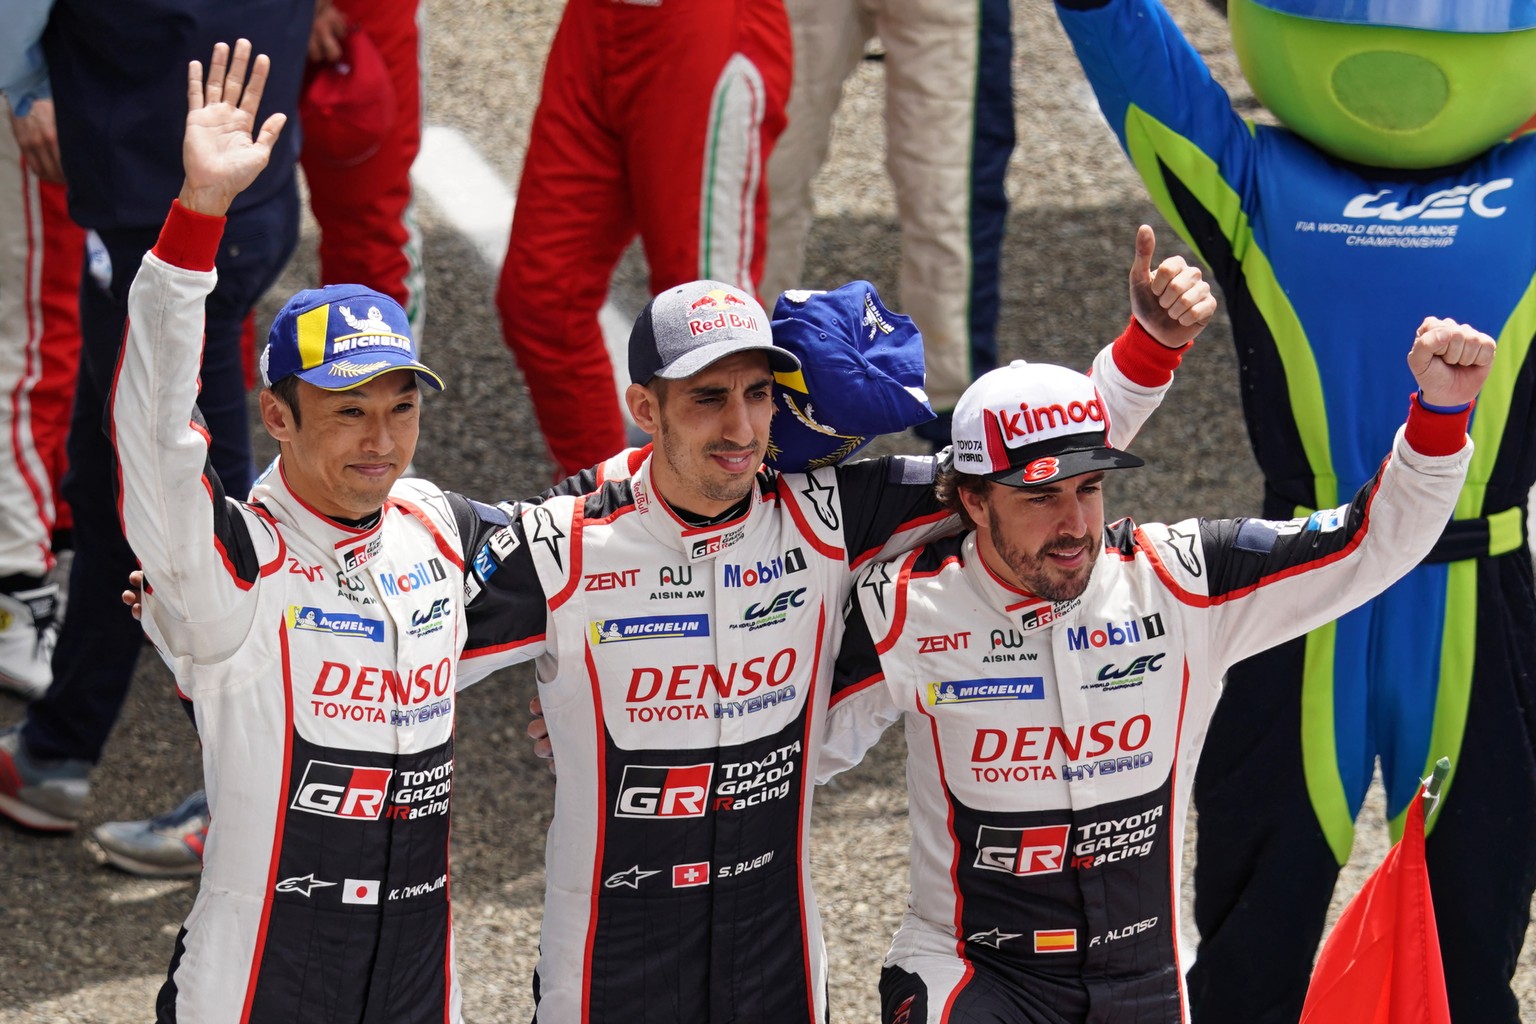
[[1393, 192]]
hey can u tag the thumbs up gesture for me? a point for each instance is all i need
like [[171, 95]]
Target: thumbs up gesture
[[1172, 303]]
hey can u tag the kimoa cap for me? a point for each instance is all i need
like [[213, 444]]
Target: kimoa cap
[[686, 328], [1028, 424], [339, 337]]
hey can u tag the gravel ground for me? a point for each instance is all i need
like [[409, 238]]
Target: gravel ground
[[81, 943]]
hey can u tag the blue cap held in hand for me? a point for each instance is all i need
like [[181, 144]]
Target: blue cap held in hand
[[861, 375]]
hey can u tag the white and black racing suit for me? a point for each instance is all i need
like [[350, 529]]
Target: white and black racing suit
[[321, 663], [1051, 747], [684, 674]]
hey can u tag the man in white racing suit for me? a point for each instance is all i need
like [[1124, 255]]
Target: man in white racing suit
[[1056, 677], [315, 629], [682, 618]]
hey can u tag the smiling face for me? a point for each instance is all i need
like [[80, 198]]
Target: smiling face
[[1041, 540], [711, 431], [346, 449]]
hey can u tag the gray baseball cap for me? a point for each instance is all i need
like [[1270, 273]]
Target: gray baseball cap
[[684, 329]]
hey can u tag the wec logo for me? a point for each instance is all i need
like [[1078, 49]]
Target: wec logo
[[1446, 204], [779, 606]]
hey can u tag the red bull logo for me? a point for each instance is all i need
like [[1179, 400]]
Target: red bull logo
[[721, 321], [716, 298]]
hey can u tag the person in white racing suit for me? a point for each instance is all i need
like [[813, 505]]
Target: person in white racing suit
[[682, 618], [315, 629], [1055, 678]]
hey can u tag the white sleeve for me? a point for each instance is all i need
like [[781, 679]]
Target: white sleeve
[[202, 554]]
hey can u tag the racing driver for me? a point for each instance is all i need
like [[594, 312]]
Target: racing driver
[[316, 629], [683, 618], [1056, 677]]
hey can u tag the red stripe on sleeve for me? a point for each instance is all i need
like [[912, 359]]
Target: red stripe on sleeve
[[1436, 433], [188, 239], [1144, 359]]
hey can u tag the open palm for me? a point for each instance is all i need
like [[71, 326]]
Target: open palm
[[219, 154]]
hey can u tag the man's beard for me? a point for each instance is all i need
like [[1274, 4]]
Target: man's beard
[[1035, 573], [729, 490]]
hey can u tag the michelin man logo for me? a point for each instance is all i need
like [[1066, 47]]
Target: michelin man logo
[[372, 324], [872, 318]]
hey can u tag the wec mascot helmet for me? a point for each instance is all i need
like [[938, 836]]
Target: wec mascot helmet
[[1392, 83]]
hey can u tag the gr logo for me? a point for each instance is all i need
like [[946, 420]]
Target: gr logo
[[342, 791], [660, 791], [1022, 851]]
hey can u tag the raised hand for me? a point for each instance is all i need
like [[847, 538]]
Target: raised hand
[[218, 152], [1450, 361], [1173, 303]]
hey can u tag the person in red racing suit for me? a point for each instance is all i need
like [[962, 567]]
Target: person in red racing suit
[[654, 118], [682, 618], [1056, 677]]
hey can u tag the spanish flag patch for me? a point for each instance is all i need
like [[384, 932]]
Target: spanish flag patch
[[1060, 940]]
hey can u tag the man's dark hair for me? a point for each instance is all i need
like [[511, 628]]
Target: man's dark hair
[[948, 485], [287, 390]]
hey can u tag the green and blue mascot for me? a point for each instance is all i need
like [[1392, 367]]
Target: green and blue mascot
[[1398, 187]]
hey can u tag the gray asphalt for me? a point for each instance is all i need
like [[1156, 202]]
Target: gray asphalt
[[79, 942]]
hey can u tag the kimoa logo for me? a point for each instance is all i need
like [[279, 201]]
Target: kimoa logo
[[1445, 204], [1018, 426]]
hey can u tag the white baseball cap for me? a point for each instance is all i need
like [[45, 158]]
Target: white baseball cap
[[1028, 424]]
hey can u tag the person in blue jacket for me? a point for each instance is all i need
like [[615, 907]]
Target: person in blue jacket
[[1394, 186]]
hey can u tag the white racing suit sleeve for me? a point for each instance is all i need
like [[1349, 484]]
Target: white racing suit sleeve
[[1133, 373], [861, 707], [201, 553], [1267, 582]]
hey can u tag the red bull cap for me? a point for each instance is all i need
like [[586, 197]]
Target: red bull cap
[[684, 329]]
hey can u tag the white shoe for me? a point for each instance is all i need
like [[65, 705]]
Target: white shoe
[[28, 632]]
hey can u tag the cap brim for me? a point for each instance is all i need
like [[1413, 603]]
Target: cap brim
[[1068, 465], [691, 362], [346, 374]]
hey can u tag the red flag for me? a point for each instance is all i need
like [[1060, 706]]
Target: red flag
[[1381, 962]]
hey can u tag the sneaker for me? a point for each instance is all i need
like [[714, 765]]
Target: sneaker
[[46, 795], [165, 846], [28, 631]]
